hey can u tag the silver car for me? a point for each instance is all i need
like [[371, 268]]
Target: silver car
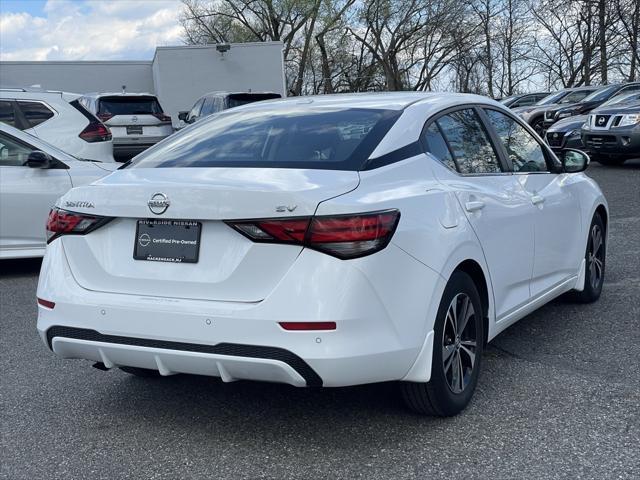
[[136, 120]]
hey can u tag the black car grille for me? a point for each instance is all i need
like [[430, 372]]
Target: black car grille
[[601, 121], [555, 138], [600, 139]]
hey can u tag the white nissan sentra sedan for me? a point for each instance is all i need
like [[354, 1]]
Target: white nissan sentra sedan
[[324, 241]]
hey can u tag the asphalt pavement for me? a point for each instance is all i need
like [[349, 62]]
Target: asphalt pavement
[[559, 397]]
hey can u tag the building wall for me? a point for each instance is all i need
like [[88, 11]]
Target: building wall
[[79, 77], [183, 74]]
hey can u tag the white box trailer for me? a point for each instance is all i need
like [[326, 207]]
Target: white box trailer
[[177, 75]]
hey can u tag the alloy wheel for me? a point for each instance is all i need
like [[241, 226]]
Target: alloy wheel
[[459, 342]]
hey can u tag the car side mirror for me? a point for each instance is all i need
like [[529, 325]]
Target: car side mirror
[[573, 160], [39, 159], [183, 116]]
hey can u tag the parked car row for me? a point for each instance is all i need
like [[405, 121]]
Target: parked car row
[[106, 127], [603, 121]]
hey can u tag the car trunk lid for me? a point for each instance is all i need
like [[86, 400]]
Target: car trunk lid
[[229, 267]]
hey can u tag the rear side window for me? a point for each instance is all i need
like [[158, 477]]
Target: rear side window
[[469, 142], [437, 146], [35, 113], [128, 105], [322, 138], [7, 115]]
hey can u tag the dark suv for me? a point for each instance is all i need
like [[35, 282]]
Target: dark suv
[[534, 115], [215, 102], [590, 102], [611, 133]]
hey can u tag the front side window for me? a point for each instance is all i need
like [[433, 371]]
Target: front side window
[[322, 138], [7, 114], [207, 107], [35, 113], [12, 153], [524, 151], [469, 142], [195, 111]]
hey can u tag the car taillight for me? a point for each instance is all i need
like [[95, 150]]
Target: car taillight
[[61, 222], [105, 116], [95, 132], [162, 117], [343, 236]]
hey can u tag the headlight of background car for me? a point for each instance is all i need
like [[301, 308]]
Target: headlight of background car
[[565, 114], [630, 119]]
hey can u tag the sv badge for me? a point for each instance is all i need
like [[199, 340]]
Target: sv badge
[[286, 208]]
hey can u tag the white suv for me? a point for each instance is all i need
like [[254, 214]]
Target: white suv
[[59, 119], [136, 120]]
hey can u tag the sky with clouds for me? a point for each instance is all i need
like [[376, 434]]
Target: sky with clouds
[[87, 29]]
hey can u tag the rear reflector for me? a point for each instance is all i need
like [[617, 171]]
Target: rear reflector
[[308, 325], [343, 236], [62, 222], [46, 303]]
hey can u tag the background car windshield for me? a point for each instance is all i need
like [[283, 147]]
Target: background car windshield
[[601, 94], [129, 105], [330, 139], [575, 97], [553, 98], [621, 99]]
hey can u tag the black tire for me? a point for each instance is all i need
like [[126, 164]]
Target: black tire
[[141, 372], [609, 162], [438, 397], [595, 269]]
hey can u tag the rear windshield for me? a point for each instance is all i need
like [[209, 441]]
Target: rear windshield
[[237, 99], [321, 138], [129, 105]]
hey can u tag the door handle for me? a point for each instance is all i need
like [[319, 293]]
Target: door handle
[[474, 206], [537, 199]]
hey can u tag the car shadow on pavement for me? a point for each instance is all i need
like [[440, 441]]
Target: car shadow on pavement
[[20, 267]]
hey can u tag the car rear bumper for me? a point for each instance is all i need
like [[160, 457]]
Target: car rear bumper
[[134, 145], [372, 342]]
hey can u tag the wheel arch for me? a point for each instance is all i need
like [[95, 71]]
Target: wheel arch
[[604, 214], [474, 270]]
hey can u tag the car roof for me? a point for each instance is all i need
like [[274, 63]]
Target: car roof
[[32, 93], [371, 100], [119, 94], [225, 93]]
